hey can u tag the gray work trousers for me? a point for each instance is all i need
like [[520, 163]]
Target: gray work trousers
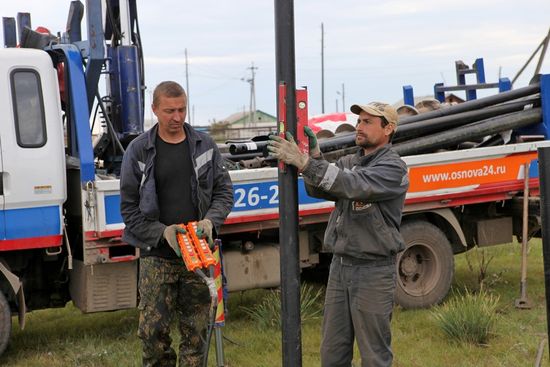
[[358, 305]]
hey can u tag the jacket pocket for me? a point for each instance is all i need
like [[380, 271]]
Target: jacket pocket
[[367, 230]]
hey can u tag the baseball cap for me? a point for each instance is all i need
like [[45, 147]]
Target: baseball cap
[[378, 109]]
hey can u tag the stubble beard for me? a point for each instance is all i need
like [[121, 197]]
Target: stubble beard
[[364, 142]]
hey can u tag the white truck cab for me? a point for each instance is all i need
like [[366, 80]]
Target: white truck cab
[[33, 184]]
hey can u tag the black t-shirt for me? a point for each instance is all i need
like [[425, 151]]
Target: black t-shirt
[[173, 175]]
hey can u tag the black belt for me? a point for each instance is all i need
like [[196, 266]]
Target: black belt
[[351, 261]]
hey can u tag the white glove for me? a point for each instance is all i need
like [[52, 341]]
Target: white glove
[[287, 151]]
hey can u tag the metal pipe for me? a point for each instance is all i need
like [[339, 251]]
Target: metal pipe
[[288, 192], [472, 131], [544, 179], [475, 104]]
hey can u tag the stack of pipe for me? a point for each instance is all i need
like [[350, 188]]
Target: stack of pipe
[[450, 127], [469, 124]]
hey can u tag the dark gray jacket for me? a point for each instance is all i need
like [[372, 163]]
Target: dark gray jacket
[[369, 192], [211, 186]]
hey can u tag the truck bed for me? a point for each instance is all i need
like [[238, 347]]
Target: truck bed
[[437, 180]]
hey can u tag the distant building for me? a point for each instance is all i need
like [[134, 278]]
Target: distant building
[[452, 98], [246, 124]]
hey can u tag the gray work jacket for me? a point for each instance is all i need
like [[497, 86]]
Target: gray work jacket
[[369, 191], [211, 186]]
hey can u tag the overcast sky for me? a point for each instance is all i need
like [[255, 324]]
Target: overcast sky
[[372, 47]]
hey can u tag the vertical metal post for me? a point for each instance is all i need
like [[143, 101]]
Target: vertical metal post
[[10, 33], [23, 20], [544, 177], [504, 84], [288, 192], [480, 71], [125, 26], [523, 301], [439, 95], [408, 95], [96, 56]]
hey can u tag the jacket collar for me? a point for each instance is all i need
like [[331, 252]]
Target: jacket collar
[[190, 134], [364, 159]]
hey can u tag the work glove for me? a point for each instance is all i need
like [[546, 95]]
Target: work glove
[[170, 234], [287, 151], [314, 150], [204, 230]]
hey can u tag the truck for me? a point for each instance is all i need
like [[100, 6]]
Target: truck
[[60, 236]]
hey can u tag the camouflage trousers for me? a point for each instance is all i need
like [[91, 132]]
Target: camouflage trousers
[[166, 289]]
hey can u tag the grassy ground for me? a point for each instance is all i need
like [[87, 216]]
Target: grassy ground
[[65, 337]]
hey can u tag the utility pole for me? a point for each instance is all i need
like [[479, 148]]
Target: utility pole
[[343, 98], [252, 112], [322, 68], [336, 104], [187, 88]]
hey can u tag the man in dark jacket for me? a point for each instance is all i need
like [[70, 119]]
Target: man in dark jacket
[[369, 189], [171, 174]]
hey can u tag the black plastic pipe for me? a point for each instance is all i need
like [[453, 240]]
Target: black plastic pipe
[[259, 147], [469, 132], [288, 192], [475, 104], [544, 179], [425, 127]]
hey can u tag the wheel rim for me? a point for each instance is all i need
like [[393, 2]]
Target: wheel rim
[[418, 270]]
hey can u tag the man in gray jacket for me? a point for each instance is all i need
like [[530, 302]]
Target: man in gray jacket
[[369, 189], [171, 174]]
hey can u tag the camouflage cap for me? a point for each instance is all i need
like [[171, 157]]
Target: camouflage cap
[[378, 109]]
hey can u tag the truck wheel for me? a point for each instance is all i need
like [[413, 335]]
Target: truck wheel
[[5, 323], [425, 268]]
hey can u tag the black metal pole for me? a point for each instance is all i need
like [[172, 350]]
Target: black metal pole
[[544, 177], [288, 192]]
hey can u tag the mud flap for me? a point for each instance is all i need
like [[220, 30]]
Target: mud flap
[[17, 287]]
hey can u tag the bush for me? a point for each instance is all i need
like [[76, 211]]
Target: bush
[[268, 312], [470, 317]]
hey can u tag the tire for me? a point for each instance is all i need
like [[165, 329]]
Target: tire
[[5, 323], [425, 268]]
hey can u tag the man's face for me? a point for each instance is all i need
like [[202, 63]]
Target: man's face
[[369, 133], [170, 112]]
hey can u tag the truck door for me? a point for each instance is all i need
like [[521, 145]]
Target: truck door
[[32, 151]]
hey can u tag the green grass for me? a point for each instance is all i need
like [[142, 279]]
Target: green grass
[[65, 337], [468, 317]]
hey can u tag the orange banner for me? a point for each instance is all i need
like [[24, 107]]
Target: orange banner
[[476, 172]]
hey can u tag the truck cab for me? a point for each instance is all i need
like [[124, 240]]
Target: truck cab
[[33, 187]]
